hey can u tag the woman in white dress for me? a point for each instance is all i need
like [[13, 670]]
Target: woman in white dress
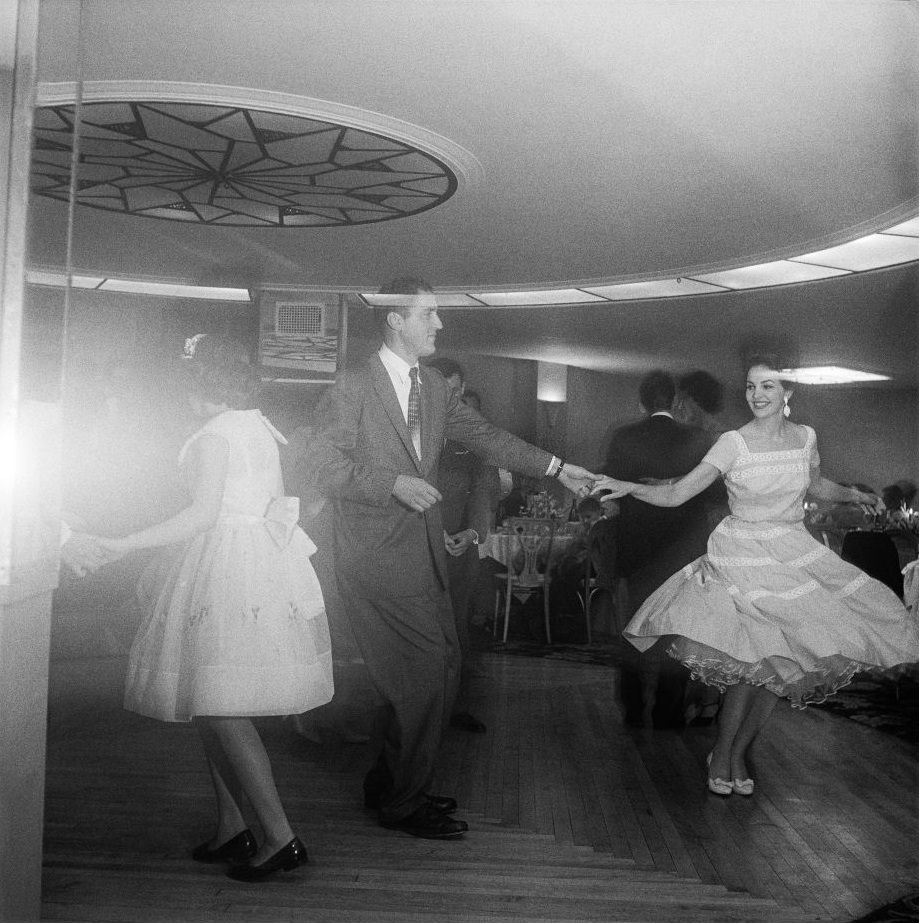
[[768, 611], [234, 624]]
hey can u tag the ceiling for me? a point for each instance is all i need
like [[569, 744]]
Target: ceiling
[[592, 141]]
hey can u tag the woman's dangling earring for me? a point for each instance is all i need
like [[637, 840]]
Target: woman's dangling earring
[[786, 410]]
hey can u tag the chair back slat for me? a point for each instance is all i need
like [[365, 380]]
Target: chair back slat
[[534, 539]]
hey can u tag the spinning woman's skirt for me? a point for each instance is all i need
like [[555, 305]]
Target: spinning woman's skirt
[[771, 606]]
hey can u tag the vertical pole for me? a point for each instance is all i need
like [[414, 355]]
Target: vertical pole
[[341, 359], [25, 593]]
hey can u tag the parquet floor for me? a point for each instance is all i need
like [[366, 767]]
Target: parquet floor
[[572, 816]]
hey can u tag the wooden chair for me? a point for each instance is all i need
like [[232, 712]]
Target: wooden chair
[[588, 589], [532, 548], [596, 582]]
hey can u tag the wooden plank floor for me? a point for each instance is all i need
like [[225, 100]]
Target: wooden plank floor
[[572, 816]]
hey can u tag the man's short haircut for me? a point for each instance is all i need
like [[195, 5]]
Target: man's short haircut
[[446, 367], [404, 285], [590, 505], [704, 389], [656, 391]]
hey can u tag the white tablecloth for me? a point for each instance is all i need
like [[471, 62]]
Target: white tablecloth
[[500, 546]]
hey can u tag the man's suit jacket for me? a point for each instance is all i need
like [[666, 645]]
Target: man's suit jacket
[[469, 488], [659, 447], [362, 444]]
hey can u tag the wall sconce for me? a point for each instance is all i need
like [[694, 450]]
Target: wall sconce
[[551, 396], [551, 382]]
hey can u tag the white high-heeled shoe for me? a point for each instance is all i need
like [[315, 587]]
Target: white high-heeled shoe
[[742, 786], [718, 786]]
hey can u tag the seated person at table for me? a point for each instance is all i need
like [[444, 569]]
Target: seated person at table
[[569, 567], [515, 503], [899, 496]]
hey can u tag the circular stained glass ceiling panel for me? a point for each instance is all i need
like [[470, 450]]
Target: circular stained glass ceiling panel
[[222, 165]]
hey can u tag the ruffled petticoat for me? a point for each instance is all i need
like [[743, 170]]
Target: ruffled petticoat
[[236, 626], [771, 606]]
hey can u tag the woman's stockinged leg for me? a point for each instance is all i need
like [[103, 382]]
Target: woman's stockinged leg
[[737, 703], [249, 761], [762, 703], [227, 789]]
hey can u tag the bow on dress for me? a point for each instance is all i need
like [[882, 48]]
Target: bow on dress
[[281, 517]]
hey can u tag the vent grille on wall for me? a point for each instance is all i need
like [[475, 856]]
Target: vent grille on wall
[[299, 319]]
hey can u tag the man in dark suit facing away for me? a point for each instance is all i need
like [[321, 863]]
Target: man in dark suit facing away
[[655, 542], [381, 430]]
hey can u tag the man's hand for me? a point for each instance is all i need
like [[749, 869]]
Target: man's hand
[[578, 480], [84, 553], [415, 493], [609, 489], [457, 543]]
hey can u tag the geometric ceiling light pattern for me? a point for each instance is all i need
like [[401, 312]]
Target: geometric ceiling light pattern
[[229, 165]]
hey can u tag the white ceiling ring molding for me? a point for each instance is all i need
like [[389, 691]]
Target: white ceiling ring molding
[[893, 246], [528, 299], [462, 162], [59, 279], [908, 228], [458, 300], [872, 252], [661, 288], [175, 290], [779, 272]]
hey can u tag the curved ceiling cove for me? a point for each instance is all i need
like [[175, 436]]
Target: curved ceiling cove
[[232, 165]]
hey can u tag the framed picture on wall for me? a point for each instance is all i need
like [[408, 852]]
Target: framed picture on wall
[[301, 336]]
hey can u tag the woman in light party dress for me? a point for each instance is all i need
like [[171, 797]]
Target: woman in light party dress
[[768, 611], [235, 624]]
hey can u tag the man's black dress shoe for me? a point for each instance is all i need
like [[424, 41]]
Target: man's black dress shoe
[[466, 722], [285, 859], [428, 824], [236, 849], [443, 804], [440, 803]]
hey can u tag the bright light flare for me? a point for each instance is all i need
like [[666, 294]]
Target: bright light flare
[[830, 375], [9, 458]]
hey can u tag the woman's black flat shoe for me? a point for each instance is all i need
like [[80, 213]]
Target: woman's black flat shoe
[[292, 855], [238, 849]]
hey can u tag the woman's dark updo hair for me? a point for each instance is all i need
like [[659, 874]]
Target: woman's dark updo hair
[[219, 371], [771, 361]]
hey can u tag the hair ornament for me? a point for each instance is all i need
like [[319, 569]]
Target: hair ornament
[[191, 344]]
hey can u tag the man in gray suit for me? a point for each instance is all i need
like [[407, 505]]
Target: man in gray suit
[[381, 430]]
